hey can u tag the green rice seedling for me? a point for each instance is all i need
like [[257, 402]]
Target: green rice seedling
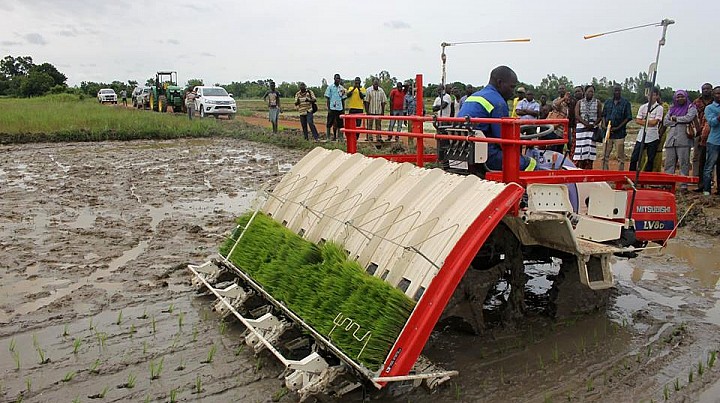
[[195, 333], [69, 376], [666, 392], [258, 364], [181, 317], [589, 385], [94, 367], [91, 327], [144, 315], [701, 368], [176, 339], [42, 357], [649, 349], [556, 353], [76, 345], [102, 338], [320, 284], [156, 370], [144, 347], [690, 376], [712, 358], [547, 398], [223, 327], [210, 355], [131, 381], [182, 364], [677, 384], [170, 309], [239, 350], [20, 397], [147, 399], [11, 345], [100, 395], [119, 319], [173, 395], [35, 341], [458, 391], [28, 385], [16, 357], [76, 400], [66, 330], [541, 363], [132, 330], [279, 394], [153, 324], [198, 384]]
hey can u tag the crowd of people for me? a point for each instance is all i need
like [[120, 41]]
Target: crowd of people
[[682, 137]]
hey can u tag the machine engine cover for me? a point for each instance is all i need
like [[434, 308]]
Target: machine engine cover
[[655, 214]]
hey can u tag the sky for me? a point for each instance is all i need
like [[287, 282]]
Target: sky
[[222, 41]]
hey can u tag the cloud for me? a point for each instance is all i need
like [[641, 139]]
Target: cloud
[[396, 24], [207, 54], [35, 39], [416, 48], [67, 33], [10, 43], [173, 41]]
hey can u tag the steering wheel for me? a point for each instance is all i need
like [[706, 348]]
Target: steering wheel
[[529, 132]]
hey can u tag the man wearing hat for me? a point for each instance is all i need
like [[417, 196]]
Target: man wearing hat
[[520, 96]]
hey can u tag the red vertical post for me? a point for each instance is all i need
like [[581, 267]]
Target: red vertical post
[[510, 152], [351, 138], [417, 127]]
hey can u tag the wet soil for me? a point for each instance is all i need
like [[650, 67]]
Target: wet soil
[[96, 303]]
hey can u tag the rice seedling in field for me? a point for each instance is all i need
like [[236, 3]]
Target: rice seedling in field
[[144, 315], [76, 345], [119, 319], [701, 368], [130, 382], [94, 367], [173, 395], [258, 364], [132, 330], [182, 364], [28, 385], [677, 384], [66, 330], [170, 309], [198, 384], [11, 345], [589, 385], [181, 317], [144, 347], [239, 350], [223, 327], [666, 392], [712, 358], [210, 355], [35, 341], [154, 328], [195, 333], [279, 394], [320, 284], [76, 400], [690, 376], [556, 353], [16, 358], [69, 376], [100, 395], [41, 356], [156, 369]]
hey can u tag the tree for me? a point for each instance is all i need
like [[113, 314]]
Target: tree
[[35, 83], [15, 66], [550, 84], [193, 82], [58, 77], [150, 82]]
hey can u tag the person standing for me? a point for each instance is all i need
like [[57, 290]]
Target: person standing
[[712, 116], [304, 100], [679, 140], [397, 104], [442, 103], [699, 152], [334, 98], [545, 108], [588, 112], [617, 113], [273, 100], [190, 103], [356, 102], [468, 91], [375, 100], [520, 96], [410, 105], [651, 140], [123, 96], [528, 108]]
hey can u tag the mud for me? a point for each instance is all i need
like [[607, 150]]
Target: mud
[[94, 239]]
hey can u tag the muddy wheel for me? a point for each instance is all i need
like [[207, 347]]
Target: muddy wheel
[[162, 103], [202, 111], [492, 289], [152, 102], [568, 296]]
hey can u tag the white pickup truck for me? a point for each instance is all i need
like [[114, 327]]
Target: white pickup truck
[[107, 95], [214, 101]]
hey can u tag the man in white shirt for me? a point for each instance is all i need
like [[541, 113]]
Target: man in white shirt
[[442, 104], [528, 108], [652, 137]]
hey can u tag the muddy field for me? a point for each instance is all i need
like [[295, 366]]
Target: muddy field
[[96, 304]]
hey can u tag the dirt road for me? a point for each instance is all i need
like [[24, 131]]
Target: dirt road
[[95, 300]]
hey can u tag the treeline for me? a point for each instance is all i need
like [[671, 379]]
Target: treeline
[[20, 77]]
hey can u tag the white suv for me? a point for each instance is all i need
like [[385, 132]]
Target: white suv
[[214, 101], [107, 95]]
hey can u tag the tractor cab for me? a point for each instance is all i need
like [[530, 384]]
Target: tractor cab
[[166, 92]]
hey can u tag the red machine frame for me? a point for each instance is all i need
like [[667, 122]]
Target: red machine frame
[[419, 326]]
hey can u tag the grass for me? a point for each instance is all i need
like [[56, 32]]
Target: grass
[[198, 384], [94, 366], [181, 318], [66, 117], [319, 283], [69, 376], [76, 345], [41, 355], [156, 369], [173, 395], [16, 358], [119, 319], [210, 355]]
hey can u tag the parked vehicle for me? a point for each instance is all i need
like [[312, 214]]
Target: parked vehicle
[[107, 95], [214, 101], [166, 92], [135, 92], [142, 99]]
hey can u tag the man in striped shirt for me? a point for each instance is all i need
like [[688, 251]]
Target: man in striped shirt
[[375, 101]]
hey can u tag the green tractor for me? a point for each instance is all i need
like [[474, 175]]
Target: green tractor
[[166, 92]]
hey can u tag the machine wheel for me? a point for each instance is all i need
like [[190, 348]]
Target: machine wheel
[[568, 296], [162, 103], [152, 102], [202, 111], [492, 289]]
